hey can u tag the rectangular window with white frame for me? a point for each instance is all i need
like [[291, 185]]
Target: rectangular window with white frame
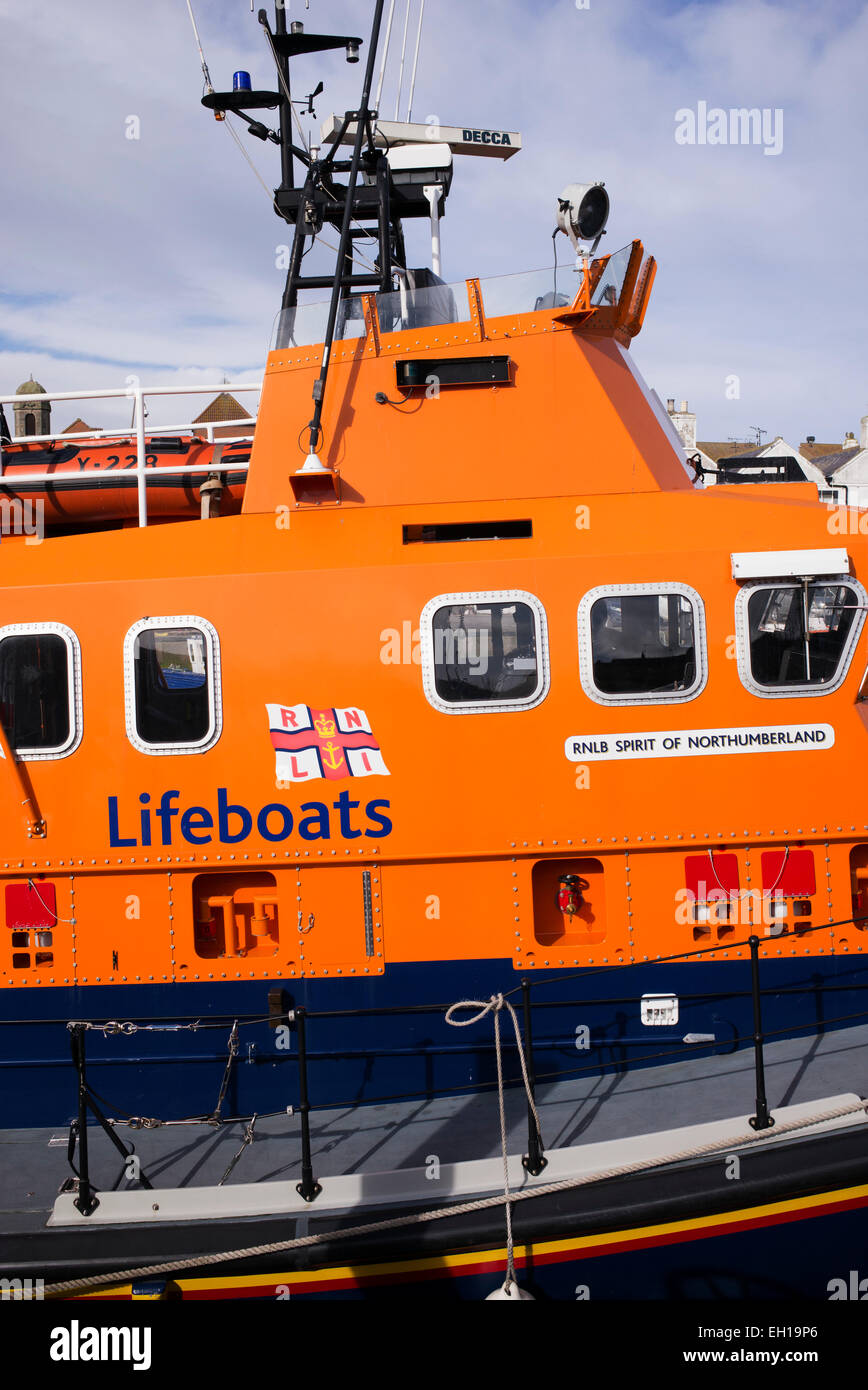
[[40, 689], [642, 644], [798, 637], [484, 652], [172, 685]]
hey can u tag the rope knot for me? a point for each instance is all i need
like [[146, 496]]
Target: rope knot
[[494, 1005]]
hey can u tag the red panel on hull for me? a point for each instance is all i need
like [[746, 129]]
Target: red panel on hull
[[30, 906]]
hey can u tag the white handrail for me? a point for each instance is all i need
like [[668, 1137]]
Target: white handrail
[[128, 431], [128, 391], [20, 482], [138, 395], [141, 456]]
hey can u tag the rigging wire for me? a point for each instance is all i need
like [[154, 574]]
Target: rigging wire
[[271, 198], [235, 136], [463, 1088], [368, 264], [415, 61], [285, 89], [306, 142], [207, 75]]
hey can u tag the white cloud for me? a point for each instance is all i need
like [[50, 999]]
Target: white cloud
[[157, 255]]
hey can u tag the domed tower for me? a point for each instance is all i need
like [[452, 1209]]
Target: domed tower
[[32, 417]]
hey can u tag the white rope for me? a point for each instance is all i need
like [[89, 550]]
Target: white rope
[[751, 1137], [385, 56], [401, 69], [494, 1005], [415, 61]]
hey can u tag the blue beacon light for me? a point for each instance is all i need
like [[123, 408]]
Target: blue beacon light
[[241, 81]]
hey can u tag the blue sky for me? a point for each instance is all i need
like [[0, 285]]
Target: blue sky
[[156, 256]]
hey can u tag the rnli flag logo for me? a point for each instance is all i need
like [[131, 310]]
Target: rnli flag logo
[[331, 743]]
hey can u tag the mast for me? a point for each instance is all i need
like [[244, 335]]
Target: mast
[[286, 169], [394, 172], [363, 130]]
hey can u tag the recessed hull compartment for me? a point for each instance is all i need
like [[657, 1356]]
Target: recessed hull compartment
[[551, 925]]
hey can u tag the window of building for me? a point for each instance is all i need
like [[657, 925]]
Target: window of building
[[642, 643], [798, 638], [172, 685], [40, 689], [484, 652]]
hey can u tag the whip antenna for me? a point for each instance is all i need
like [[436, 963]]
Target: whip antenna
[[401, 68], [209, 86], [206, 74], [385, 56], [415, 62]]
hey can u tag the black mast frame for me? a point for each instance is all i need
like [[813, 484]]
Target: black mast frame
[[372, 208]]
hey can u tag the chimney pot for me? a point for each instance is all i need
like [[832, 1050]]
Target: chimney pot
[[670, 405], [684, 407]]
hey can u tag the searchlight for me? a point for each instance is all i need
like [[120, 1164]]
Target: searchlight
[[583, 211]]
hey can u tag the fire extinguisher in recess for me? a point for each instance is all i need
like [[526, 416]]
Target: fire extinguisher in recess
[[569, 899]]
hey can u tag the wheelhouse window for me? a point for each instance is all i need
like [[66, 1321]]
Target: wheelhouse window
[[40, 689], [484, 652], [798, 638], [172, 680], [642, 644]]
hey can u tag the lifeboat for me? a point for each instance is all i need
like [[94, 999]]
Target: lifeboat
[[516, 731], [49, 476]]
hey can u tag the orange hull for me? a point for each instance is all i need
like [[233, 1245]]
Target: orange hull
[[471, 836]]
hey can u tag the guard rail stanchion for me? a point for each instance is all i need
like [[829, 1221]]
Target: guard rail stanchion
[[308, 1188], [86, 1201], [762, 1119], [534, 1160]]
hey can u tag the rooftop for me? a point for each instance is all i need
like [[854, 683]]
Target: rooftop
[[729, 448], [817, 451], [830, 463], [223, 407], [30, 388]]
